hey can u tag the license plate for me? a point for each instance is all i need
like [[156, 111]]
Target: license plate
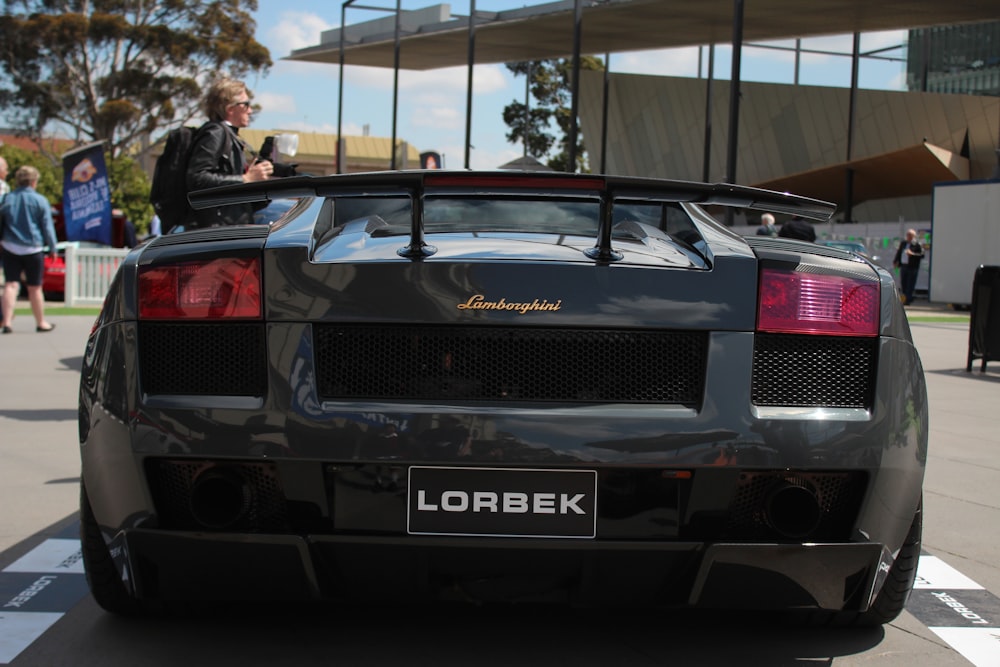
[[502, 502]]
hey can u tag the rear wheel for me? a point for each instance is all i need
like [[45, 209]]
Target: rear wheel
[[102, 576]]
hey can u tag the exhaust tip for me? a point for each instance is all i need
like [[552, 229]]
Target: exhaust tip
[[220, 497], [792, 508]]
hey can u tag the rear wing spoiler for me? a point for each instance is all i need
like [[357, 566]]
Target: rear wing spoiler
[[608, 188]]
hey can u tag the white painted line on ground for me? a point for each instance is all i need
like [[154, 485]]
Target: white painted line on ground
[[932, 572], [53, 556], [980, 646], [18, 629]]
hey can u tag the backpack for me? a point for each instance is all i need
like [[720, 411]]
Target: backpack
[[168, 194]]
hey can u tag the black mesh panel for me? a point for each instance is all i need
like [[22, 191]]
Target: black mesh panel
[[213, 359], [813, 371], [508, 364]]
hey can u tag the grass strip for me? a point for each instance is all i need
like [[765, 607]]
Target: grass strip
[[61, 310]]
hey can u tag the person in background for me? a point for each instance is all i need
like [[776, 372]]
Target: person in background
[[129, 239], [220, 157], [797, 228], [4, 186], [27, 229], [4, 189], [907, 260], [767, 227], [155, 226]]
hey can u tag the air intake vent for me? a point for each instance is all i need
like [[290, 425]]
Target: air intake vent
[[206, 359], [813, 371], [509, 364]]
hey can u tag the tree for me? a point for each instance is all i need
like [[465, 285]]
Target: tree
[[50, 177], [119, 70], [130, 191], [551, 86]]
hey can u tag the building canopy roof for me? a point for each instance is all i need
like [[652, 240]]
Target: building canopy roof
[[908, 172], [432, 38]]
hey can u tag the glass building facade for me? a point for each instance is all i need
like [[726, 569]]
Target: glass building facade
[[962, 59]]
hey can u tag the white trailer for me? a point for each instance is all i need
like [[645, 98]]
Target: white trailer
[[965, 233]]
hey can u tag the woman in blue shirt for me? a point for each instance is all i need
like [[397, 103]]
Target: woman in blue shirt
[[26, 231]]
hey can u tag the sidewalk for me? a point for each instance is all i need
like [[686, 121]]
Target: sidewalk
[[924, 308], [38, 423]]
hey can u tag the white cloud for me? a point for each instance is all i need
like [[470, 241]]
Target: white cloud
[[871, 41], [486, 79], [305, 127], [438, 117], [454, 156], [667, 62], [294, 30], [492, 159], [276, 102], [897, 82]]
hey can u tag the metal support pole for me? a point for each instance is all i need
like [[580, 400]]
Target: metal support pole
[[340, 92], [925, 66], [574, 105], [527, 108], [798, 59], [734, 101], [709, 103], [468, 94], [395, 86], [604, 112], [851, 120]]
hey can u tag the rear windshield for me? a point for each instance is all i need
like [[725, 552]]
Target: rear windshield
[[392, 215], [451, 214]]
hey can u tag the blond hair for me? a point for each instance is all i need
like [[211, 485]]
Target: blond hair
[[221, 95], [26, 175]]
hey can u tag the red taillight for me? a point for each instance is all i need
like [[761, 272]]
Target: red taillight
[[815, 303], [204, 290]]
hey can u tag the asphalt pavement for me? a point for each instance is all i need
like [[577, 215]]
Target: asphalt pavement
[[40, 467]]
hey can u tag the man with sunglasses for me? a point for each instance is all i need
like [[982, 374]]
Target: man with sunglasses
[[220, 157]]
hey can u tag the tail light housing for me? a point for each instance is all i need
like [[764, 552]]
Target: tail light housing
[[212, 289], [800, 302]]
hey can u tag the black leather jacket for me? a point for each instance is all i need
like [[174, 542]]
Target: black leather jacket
[[211, 165]]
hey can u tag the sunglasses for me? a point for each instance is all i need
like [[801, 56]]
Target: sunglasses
[[245, 104]]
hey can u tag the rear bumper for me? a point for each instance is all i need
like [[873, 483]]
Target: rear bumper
[[183, 565]]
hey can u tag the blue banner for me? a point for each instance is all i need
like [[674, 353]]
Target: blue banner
[[86, 195]]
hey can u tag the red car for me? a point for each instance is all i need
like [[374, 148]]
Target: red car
[[54, 276]]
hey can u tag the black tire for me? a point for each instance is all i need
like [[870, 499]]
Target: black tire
[[102, 576], [891, 600]]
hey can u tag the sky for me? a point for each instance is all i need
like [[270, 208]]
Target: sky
[[431, 114]]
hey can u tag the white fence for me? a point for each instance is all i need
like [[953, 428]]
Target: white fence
[[89, 272]]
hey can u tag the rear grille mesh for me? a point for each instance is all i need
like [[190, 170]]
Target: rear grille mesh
[[509, 364], [203, 359], [813, 371]]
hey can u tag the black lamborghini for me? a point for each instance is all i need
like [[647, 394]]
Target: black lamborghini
[[502, 387]]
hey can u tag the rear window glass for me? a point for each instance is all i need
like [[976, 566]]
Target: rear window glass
[[392, 216]]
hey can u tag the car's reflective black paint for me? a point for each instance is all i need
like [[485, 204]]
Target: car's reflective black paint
[[238, 459]]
